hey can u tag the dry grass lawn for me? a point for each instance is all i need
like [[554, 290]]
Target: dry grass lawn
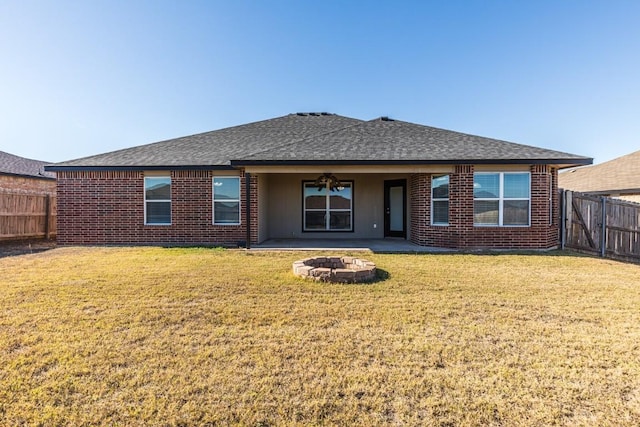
[[153, 336]]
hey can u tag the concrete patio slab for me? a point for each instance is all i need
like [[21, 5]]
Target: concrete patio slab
[[370, 245]]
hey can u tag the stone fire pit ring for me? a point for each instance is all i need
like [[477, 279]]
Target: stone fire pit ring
[[346, 269]]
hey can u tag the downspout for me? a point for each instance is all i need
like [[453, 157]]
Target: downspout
[[247, 193], [563, 219]]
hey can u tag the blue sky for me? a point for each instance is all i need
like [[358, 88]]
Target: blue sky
[[85, 77]]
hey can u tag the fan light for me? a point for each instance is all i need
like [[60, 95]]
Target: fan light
[[329, 180]]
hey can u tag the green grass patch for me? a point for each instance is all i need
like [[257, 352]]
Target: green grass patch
[[171, 336]]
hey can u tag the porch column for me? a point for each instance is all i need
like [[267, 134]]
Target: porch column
[[247, 204], [461, 206]]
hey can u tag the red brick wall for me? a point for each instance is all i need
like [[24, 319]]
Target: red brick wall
[[21, 184], [461, 232], [107, 207], [419, 186]]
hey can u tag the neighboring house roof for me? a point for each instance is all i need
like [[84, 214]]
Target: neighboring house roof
[[617, 176], [323, 138], [15, 165]]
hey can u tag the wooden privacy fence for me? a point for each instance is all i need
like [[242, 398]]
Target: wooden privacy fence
[[25, 215], [601, 225]]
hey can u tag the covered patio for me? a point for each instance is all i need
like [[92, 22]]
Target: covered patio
[[366, 203]]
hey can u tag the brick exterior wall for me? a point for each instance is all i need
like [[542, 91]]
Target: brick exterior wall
[[107, 207], [20, 184], [461, 233]]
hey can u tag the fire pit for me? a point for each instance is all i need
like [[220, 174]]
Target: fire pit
[[335, 269]]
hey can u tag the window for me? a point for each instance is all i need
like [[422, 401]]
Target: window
[[501, 198], [157, 200], [440, 200], [226, 200], [328, 210]]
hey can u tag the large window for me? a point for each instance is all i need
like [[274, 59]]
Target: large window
[[226, 200], [328, 210], [501, 198], [157, 200], [440, 200]]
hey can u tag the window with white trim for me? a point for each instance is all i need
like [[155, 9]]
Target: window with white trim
[[440, 200], [501, 198], [226, 200], [327, 210], [157, 200]]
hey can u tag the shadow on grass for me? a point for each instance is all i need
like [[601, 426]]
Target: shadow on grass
[[566, 253], [381, 276], [25, 247]]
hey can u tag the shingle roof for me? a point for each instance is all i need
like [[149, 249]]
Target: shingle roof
[[619, 175], [219, 147], [397, 141], [305, 138], [16, 165]]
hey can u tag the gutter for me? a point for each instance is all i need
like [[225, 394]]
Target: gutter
[[62, 168], [238, 164], [564, 163], [620, 192], [21, 175]]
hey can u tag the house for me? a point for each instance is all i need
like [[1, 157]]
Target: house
[[619, 178], [18, 174], [316, 175]]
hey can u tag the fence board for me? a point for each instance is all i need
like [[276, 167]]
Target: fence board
[[26, 215], [609, 227]]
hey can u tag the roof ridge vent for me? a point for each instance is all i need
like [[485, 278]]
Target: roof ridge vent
[[386, 119], [314, 114]]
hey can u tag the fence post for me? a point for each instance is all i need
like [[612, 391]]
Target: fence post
[[47, 218], [568, 216], [603, 238]]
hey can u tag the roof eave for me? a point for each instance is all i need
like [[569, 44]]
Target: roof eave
[[621, 192], [560, 163], [234, 164], [62, 168], [23, 175]]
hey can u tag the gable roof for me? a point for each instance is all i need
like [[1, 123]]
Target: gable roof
[[321, 138], [11, 164], [620, 175]]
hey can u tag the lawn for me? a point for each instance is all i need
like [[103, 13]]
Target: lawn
[[156, 336]]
